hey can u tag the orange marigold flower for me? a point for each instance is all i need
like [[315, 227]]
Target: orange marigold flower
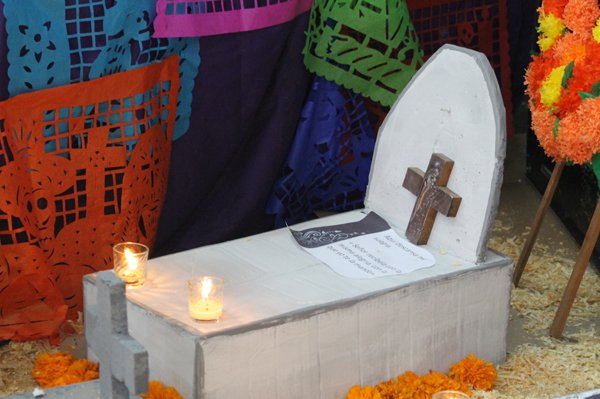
[[586, 73], [538, 70], [49, 367], [65, 379], [555, 7], [409, 378], [91, 375], [570, 48], [579, 133], [404, 387], [407, 386], [388, 389], [156, 390], [441, 382], [543, 123], [474, 372], [412, 386], [566, 125], [367, 392], [80, 367], [58, 369], [580, 17]]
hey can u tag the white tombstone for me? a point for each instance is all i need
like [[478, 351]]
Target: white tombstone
[[293, 328], [452, 106]]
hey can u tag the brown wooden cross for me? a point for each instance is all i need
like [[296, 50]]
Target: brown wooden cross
[[432, 197]]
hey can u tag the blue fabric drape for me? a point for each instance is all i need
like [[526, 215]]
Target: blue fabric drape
[[328, 166]]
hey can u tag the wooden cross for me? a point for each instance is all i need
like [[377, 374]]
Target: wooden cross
[[432, 197], [123, 361]]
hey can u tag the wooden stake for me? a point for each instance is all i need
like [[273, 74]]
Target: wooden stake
[[537, 222], [591, 236]]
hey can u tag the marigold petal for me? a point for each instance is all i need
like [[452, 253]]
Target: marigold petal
[[550, 28], [50, 366], [555, 7], [580, 17], [156, 390], [58, 369], [551, 87], [475, 372]]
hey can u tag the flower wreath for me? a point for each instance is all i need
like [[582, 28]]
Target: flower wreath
[[563, 81]]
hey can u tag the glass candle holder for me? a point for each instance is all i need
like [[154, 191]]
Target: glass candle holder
[[129, 260], [450, 395], [205, 298]]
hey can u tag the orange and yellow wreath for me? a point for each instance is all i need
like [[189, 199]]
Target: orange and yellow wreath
[[563, 81]]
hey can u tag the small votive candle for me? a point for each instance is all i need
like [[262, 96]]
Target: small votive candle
[[205, 298], [450, 395], [129, 259]]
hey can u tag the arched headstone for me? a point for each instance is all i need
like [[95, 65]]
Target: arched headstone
[[452, 106]]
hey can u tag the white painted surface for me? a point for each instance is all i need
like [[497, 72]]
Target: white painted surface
[[452, 106], [268, 276]]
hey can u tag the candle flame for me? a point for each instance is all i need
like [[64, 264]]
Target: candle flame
[[132, 261], [206, 287]]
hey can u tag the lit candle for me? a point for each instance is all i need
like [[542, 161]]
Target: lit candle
[[205, 300], [130, 262], [130, 271]]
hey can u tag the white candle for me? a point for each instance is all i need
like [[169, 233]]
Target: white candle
[[205, 299], [130, 262], [130, 273], [206, 309]]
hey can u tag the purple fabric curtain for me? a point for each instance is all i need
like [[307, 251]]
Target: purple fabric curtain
[[247, 102]]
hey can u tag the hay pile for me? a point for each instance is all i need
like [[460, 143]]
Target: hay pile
[[554, 367], [17, 358], [16, 363]]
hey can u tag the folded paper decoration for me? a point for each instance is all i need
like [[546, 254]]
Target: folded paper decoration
[[58, 42], [185, 18], [82, 167], [368, 46]]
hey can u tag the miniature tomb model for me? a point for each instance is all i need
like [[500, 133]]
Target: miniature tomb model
[[291, 327]]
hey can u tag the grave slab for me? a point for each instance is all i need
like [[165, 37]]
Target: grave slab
[[293, 328]]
